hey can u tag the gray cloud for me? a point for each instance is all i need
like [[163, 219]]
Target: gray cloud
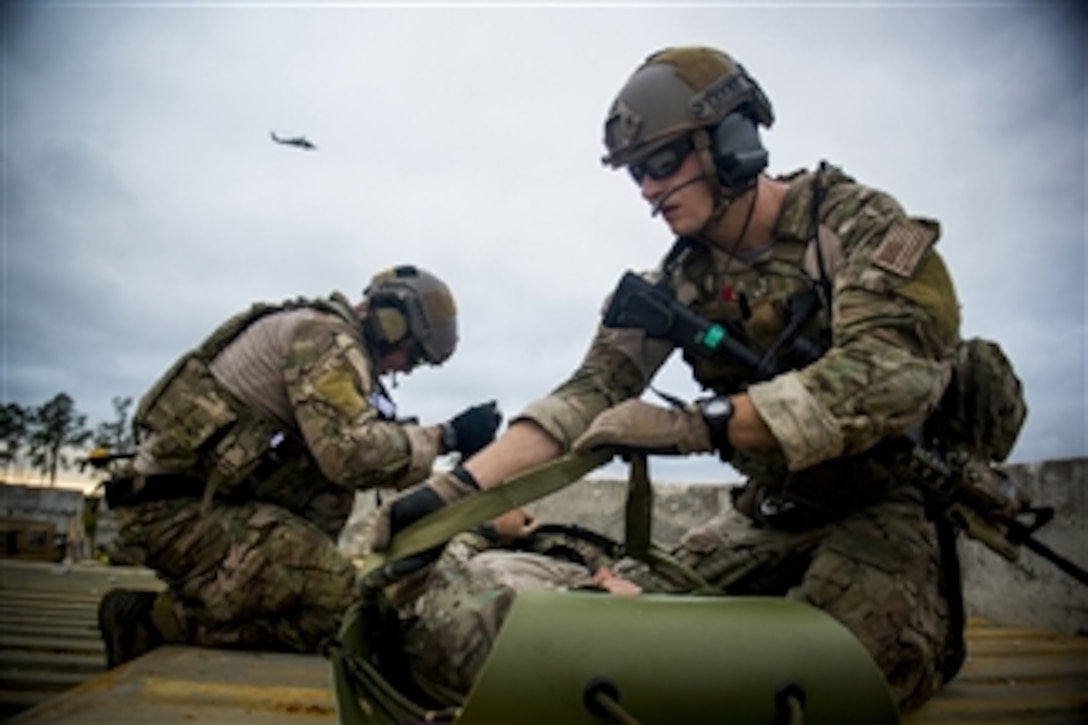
[[143, 201]]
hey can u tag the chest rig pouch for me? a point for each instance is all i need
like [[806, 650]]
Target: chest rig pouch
[[773, 307], [779, 305], [199, 427]]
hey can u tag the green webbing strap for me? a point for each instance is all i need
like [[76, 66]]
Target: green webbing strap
[[639, 508], [638, 541], [479, 508]]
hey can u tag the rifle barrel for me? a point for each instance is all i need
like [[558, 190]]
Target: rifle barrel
[[1056, 559]]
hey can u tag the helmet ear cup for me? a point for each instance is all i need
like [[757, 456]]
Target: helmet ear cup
[[391, 324], [739, 155]]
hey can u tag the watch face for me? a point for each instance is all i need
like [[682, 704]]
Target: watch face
[[717, 407]]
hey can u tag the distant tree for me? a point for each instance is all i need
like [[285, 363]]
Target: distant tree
[[13, 433], [116, 435], [53, 427]]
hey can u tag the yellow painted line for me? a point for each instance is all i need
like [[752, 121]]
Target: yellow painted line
[[280, 698]]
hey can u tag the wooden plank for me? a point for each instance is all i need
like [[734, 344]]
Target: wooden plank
[[185, 684], [90, 663], [45, 625], [55, 644], [42, 679], [60, 608], [1014, 675]]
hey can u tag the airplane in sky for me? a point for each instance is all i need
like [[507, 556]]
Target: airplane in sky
[[301, 141]]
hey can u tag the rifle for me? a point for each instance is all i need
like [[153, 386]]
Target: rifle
[[653, 309], [973, 495], [102, 459]]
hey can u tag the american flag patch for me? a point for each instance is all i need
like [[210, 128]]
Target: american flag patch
[[903, 247]]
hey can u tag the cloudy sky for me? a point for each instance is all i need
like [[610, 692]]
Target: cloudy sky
[[143, 201]]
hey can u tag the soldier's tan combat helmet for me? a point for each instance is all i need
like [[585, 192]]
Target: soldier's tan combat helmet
[[408, 302], [686, 91]]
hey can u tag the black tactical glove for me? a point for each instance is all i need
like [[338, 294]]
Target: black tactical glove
[[471, 429], [438, 491], [398, 513]]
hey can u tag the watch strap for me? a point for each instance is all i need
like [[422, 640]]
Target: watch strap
[[719, 432]]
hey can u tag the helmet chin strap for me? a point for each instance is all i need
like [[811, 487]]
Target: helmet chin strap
[[724, 196], [743, 230]]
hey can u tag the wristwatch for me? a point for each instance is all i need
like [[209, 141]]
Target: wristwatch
[[717, 412]]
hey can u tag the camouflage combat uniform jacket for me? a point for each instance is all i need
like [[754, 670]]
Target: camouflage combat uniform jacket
[[894, 323], [282, 405], [831, 517], [252, 448]]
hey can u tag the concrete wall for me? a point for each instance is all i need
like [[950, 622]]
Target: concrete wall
[[1031, 592], [60, 507]]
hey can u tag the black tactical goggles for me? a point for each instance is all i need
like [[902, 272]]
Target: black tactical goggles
[[662, 163]]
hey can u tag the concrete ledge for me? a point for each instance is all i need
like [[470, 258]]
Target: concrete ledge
[[1030, 592]]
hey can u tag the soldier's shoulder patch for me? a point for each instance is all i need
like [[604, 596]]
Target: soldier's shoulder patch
[[903, 246], [338, 387]]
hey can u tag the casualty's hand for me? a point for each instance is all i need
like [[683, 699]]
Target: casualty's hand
[[399, 512], [640, 425], [606, 579], [471, 429], [514, 524]]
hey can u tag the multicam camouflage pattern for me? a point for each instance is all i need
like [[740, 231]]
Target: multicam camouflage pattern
[[331, 386], [840, 525], [877, 571], [892, 333], [299, 380], [983, 408], [453, 624], [407, 300], [675, 92], [277, 413], [250, 575]]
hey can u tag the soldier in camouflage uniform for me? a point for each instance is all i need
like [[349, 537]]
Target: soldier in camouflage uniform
[[826, 515], [251, 449]]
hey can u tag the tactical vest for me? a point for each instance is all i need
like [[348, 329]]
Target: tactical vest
[[981, 413], [757, 304], [201, 428]]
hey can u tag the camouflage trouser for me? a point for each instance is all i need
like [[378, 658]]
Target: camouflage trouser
[[451, 627], [877, 571], [251, 575]]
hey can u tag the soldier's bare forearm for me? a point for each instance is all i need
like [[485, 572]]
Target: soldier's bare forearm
[[747, 429], [522, 446]]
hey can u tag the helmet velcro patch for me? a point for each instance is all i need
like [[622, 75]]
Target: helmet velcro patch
[[338, 386], [699, 67]]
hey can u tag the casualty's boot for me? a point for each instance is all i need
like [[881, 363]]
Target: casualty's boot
[[124, 620]]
